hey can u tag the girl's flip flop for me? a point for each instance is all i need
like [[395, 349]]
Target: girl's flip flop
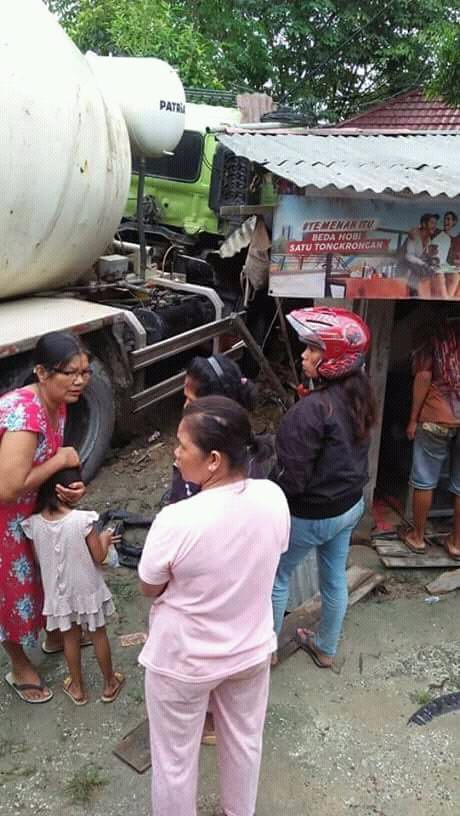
[[78, 701], [109, 698]]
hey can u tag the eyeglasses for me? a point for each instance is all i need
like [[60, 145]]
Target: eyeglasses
[[73, 373]]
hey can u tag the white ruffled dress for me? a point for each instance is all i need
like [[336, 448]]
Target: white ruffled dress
[[75, 591]]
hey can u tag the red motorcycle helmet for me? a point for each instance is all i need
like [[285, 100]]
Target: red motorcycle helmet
[[343, 337]]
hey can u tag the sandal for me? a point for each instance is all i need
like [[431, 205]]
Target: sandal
[[78, 701], [404, 536], [308, 646], [444, 543], [121, 680], [19, 689]]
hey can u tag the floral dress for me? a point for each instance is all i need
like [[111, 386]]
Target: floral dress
[[21, 595]]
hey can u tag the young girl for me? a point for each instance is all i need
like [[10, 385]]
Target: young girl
[[68, 549]]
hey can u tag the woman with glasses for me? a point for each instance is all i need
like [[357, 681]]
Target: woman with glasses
[[32, 422]]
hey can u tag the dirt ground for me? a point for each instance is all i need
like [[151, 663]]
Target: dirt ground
[[335, 743]]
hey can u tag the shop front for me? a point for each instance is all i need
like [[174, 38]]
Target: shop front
[[391, 260], [369, 221]]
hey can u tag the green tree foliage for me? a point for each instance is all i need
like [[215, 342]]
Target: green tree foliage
[[445, 45], [328, 57], [331, 56], [143, 28]]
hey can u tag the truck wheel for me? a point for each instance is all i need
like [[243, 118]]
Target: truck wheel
[[90, 423]]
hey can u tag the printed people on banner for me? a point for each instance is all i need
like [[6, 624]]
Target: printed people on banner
[[364, 249], [428, 257], [452, 258], [419, 259]]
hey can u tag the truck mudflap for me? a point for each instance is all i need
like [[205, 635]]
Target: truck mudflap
[[23, 322]]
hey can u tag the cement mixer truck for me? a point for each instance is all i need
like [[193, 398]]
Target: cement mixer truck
[[68, 129]]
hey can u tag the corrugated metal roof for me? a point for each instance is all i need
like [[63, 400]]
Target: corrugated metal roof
[[410, 110], [418, 164]]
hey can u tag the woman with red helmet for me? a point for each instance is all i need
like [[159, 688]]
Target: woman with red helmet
[[322, 447]]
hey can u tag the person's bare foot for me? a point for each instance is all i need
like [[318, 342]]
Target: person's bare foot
[[74, 691], [305, 639], [451, 549], [208, 736], [27, 676], [413, 542], [112, 690], [274, 659], [53, 642]]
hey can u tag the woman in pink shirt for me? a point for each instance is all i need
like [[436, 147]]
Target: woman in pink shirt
[[209, 563]]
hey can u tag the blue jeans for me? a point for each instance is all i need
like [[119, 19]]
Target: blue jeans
[[430, 452], [331, 537]]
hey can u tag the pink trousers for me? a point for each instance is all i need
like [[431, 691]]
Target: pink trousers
[[176, 717]]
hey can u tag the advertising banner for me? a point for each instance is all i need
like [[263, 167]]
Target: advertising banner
[[365, 248]]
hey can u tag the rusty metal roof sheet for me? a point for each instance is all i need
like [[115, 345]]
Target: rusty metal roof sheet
[[415, 164], [410, 110]]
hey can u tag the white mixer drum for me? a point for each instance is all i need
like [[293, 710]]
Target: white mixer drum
[[65, 161], [151, 97]]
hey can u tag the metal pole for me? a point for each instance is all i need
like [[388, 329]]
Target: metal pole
[[140, 217], [259, 356], [287, 343]]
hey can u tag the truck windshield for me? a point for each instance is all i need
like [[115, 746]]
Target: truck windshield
[[184, 165]]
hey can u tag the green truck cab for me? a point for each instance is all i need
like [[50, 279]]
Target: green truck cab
[[184, 193], [178, 189]]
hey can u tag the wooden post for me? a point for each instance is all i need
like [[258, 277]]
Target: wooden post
[[286, 341], [259, 356], [379, 316], [339, 303]]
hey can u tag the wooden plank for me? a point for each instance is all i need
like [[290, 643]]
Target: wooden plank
[[134, 747], [363, 590], [396, 549], [302, 617], [308, 614], [391, 548], [446, 582], [414, 561]]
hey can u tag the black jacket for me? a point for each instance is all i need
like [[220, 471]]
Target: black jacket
[[322, 470]]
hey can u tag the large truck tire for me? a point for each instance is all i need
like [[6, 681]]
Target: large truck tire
[[90, 423]]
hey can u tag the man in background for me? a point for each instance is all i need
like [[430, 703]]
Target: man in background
[[434, 427]]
